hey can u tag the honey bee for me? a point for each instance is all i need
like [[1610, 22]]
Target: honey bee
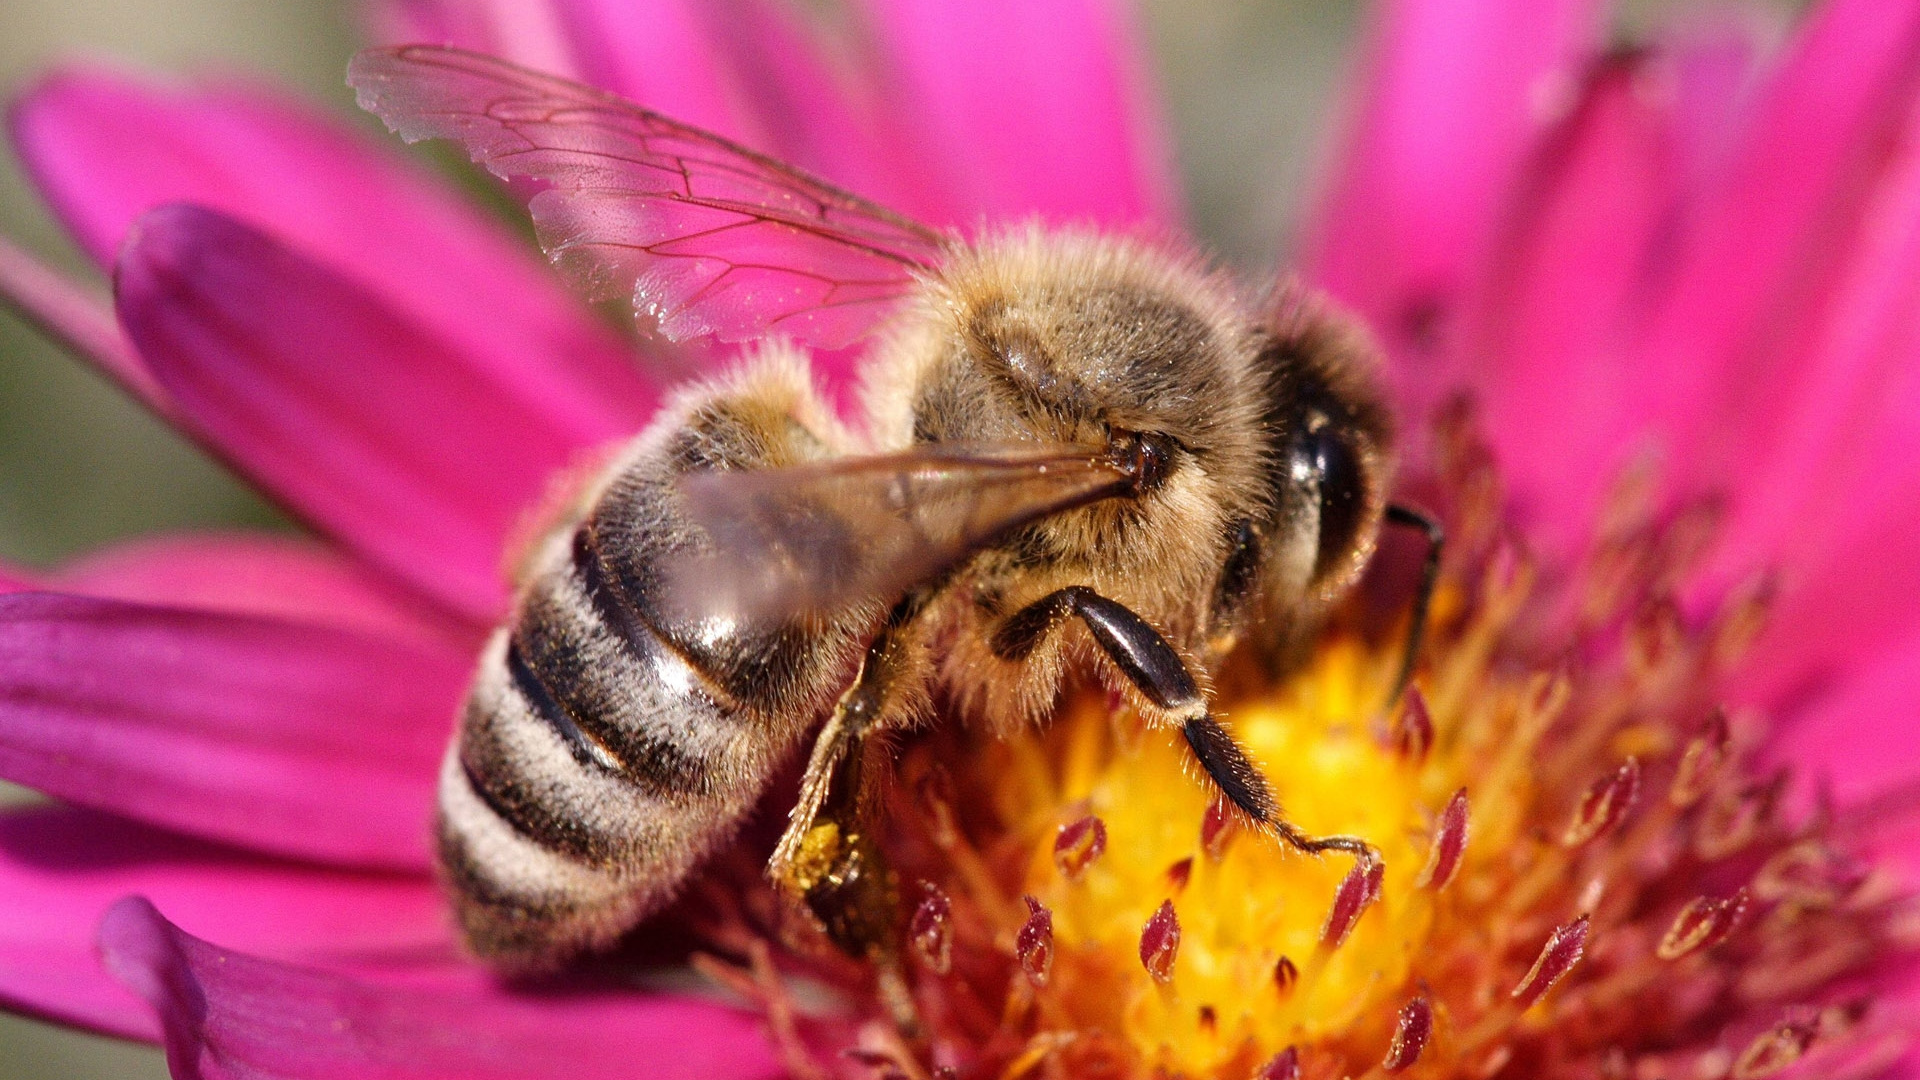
[[1082, 454]]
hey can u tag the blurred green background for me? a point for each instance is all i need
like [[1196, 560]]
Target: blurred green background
[[1248, 85]]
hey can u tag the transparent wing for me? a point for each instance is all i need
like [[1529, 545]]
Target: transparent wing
[[824, 537], [705, 236]]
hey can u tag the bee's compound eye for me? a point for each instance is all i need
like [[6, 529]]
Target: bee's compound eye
[[1329, 456]]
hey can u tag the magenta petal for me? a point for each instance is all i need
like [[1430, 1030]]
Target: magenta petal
[[1855, 737], [231, 1015], [376, 430], [1761, 257], [1031, 107], [105, 149], [61, 867], [309, 741], [1541, 321], [261, 574], [1449, 95]]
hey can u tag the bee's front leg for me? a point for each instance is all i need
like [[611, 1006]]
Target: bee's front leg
[[1173, 697]]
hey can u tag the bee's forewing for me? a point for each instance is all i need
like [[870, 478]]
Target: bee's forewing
[[701, 234], [822, 538]]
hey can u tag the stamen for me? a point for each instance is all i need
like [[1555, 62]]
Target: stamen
[[934, 794], [1562, 950], [1284, 1066], [1078, 845], [1449, 844], [1773, 1051], [1160, 943], [1604, 805], [1216, 830], [1356, 893], [931, 929], [1731, 823], [1034, 944], [1808, 875], [1285, 975], [1700, 766], [1702, 924], [1412, 734], [1179, 874], [1410, 1035], [1656, 638]]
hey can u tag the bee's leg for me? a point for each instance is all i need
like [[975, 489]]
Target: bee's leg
[[1156, 669], [827, 861], [1429, 578]]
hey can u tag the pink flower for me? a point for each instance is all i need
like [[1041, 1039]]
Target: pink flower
[[1691, 266]]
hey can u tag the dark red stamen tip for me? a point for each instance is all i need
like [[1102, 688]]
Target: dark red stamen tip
[[1216, 830], [1034, 944], [1701, 763], [1562, 950], [1209, 1020], [1284, 1066], [1078, 845], [1410, 1035], [1605, 805], [1809, 875], [1160, 943], [1179, 874], [1702, 924], [1412, 734], [1285, 975], [931, 929], [1449, 844], [1357, 892]]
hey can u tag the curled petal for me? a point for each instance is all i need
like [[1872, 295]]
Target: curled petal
[[304, 740], [382, 433], [230, 1015], [61, 867], [105, 149]]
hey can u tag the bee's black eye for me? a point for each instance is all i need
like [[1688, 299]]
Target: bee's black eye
[[1330, 460]]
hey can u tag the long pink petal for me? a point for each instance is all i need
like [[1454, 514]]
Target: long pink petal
[[61, 868], [228, 1015], [80, 322], [260, 574], [106, 148], [1580, 239], [374, 428], [1760, 261], [309, 741], [1030, 107], [1448, 96]]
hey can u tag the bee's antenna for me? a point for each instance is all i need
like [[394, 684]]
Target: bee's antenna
[[1429, 578]]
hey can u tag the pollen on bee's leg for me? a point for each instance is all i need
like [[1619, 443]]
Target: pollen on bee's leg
[[1160, 943]]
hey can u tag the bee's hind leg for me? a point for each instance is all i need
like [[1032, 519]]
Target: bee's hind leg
[[827, 861], [1157, 670]]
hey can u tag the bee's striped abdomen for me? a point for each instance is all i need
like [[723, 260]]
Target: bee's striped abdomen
[[606, 748]]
